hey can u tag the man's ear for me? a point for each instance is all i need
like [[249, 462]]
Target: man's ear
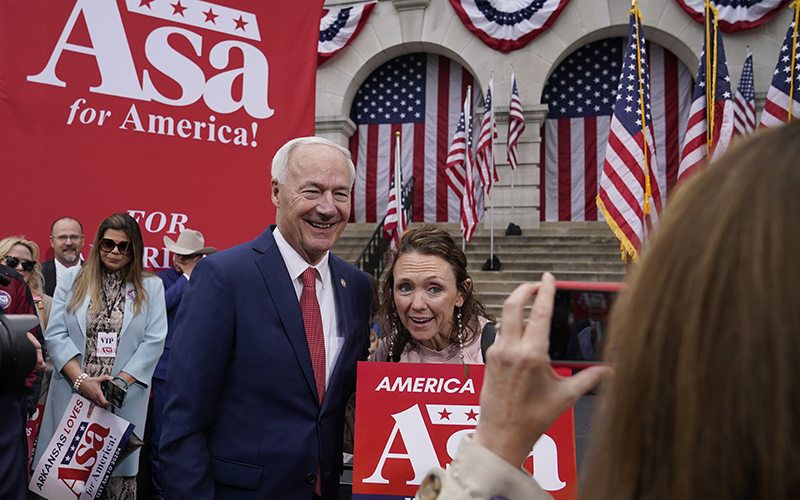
[[275, 188]]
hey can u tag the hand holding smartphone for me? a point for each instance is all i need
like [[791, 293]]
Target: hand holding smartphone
[[115, 391]]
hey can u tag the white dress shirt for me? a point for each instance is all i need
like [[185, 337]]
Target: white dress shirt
[[60, 268], [331, 327]]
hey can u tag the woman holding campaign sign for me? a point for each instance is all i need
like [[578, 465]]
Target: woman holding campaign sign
[[429, 308], [107, 327], [704, 402]]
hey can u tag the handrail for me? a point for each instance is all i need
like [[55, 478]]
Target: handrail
[[372, 258]]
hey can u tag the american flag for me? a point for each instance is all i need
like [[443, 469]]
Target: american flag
[[484, 154], [516, 122], [460, 170], [784, 79], [419, 95], [712, 91], [744, 111], [581, 93], [394, 225], [630, 195]]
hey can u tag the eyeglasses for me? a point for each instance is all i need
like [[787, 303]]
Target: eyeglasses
[[125, 247], [27, 265], [64, 237]]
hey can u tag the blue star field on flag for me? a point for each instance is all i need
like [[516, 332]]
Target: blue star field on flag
[[723, 81], [585, 84], [629, 105], [393, 94], [746, 80], [782, 76]]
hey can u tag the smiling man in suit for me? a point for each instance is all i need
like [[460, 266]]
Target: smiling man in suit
[[264, 357], [66, 238]]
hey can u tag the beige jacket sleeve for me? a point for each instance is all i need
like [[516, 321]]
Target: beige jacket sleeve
[[477, 473]]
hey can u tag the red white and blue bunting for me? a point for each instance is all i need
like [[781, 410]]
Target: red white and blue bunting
[[340, 26], [507, 25], [735, 15]]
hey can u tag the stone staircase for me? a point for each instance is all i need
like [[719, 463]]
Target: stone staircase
[[582, 251]]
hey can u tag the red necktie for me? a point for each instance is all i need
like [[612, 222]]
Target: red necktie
[[312, 320]]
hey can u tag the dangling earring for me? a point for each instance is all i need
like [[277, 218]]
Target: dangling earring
[[460, 336], [392, 335], [461, 343]]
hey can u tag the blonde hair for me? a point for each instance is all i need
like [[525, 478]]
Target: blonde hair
[[36, 281], [705, 401], [90, 277]]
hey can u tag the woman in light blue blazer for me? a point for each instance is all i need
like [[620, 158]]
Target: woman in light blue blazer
[[109, 301]]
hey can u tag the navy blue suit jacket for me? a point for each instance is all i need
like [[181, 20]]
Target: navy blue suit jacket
[[242, 419], [174, 287]]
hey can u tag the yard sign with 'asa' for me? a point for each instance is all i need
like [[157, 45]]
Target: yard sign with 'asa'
[[411, 417]]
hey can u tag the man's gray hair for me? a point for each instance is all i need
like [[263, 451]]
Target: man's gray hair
[[280, 162]]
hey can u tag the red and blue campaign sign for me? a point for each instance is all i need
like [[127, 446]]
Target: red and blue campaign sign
[[411, 417], [169, 110], [78, 461]]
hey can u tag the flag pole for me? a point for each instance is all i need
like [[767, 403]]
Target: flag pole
[[398, 189], [491, 180], [711, 82], [647, 189], [794, 55], [512, 168], [468, 138]]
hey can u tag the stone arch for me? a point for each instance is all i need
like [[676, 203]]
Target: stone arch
[[387, 55], [652, 34], [420, 96], [581, 93]]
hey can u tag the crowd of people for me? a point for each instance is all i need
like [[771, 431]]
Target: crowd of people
[[247, 356]]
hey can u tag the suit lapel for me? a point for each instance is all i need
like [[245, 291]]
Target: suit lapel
[[281, 289], [344, 298]]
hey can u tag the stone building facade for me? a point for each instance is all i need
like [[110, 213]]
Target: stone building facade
[[398, 27]]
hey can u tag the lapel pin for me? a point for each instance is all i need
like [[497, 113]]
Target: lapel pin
[[343, 282]]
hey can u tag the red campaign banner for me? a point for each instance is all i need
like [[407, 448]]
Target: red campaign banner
[[32, 430], [170, 110], [411, 417]]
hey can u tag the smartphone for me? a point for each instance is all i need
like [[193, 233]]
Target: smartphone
[[114, 392], [578, 327]]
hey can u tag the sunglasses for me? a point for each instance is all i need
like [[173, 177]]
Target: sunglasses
[[13, 262], [108, 245]]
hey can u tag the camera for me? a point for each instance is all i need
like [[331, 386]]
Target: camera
[[17, 353]]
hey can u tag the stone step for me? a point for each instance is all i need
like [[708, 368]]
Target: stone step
[[508, 280], [523, 257], [517, 240], [483, 229], [563, 266], [512, 252]]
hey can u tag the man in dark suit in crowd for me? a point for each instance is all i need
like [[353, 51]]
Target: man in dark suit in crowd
[[188, 250], [264, 357], [66, 238]]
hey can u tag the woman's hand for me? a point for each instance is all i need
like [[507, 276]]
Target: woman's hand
[[92, 389], [522, 395]]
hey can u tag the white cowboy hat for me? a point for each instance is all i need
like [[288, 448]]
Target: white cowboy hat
[[189, 242]]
